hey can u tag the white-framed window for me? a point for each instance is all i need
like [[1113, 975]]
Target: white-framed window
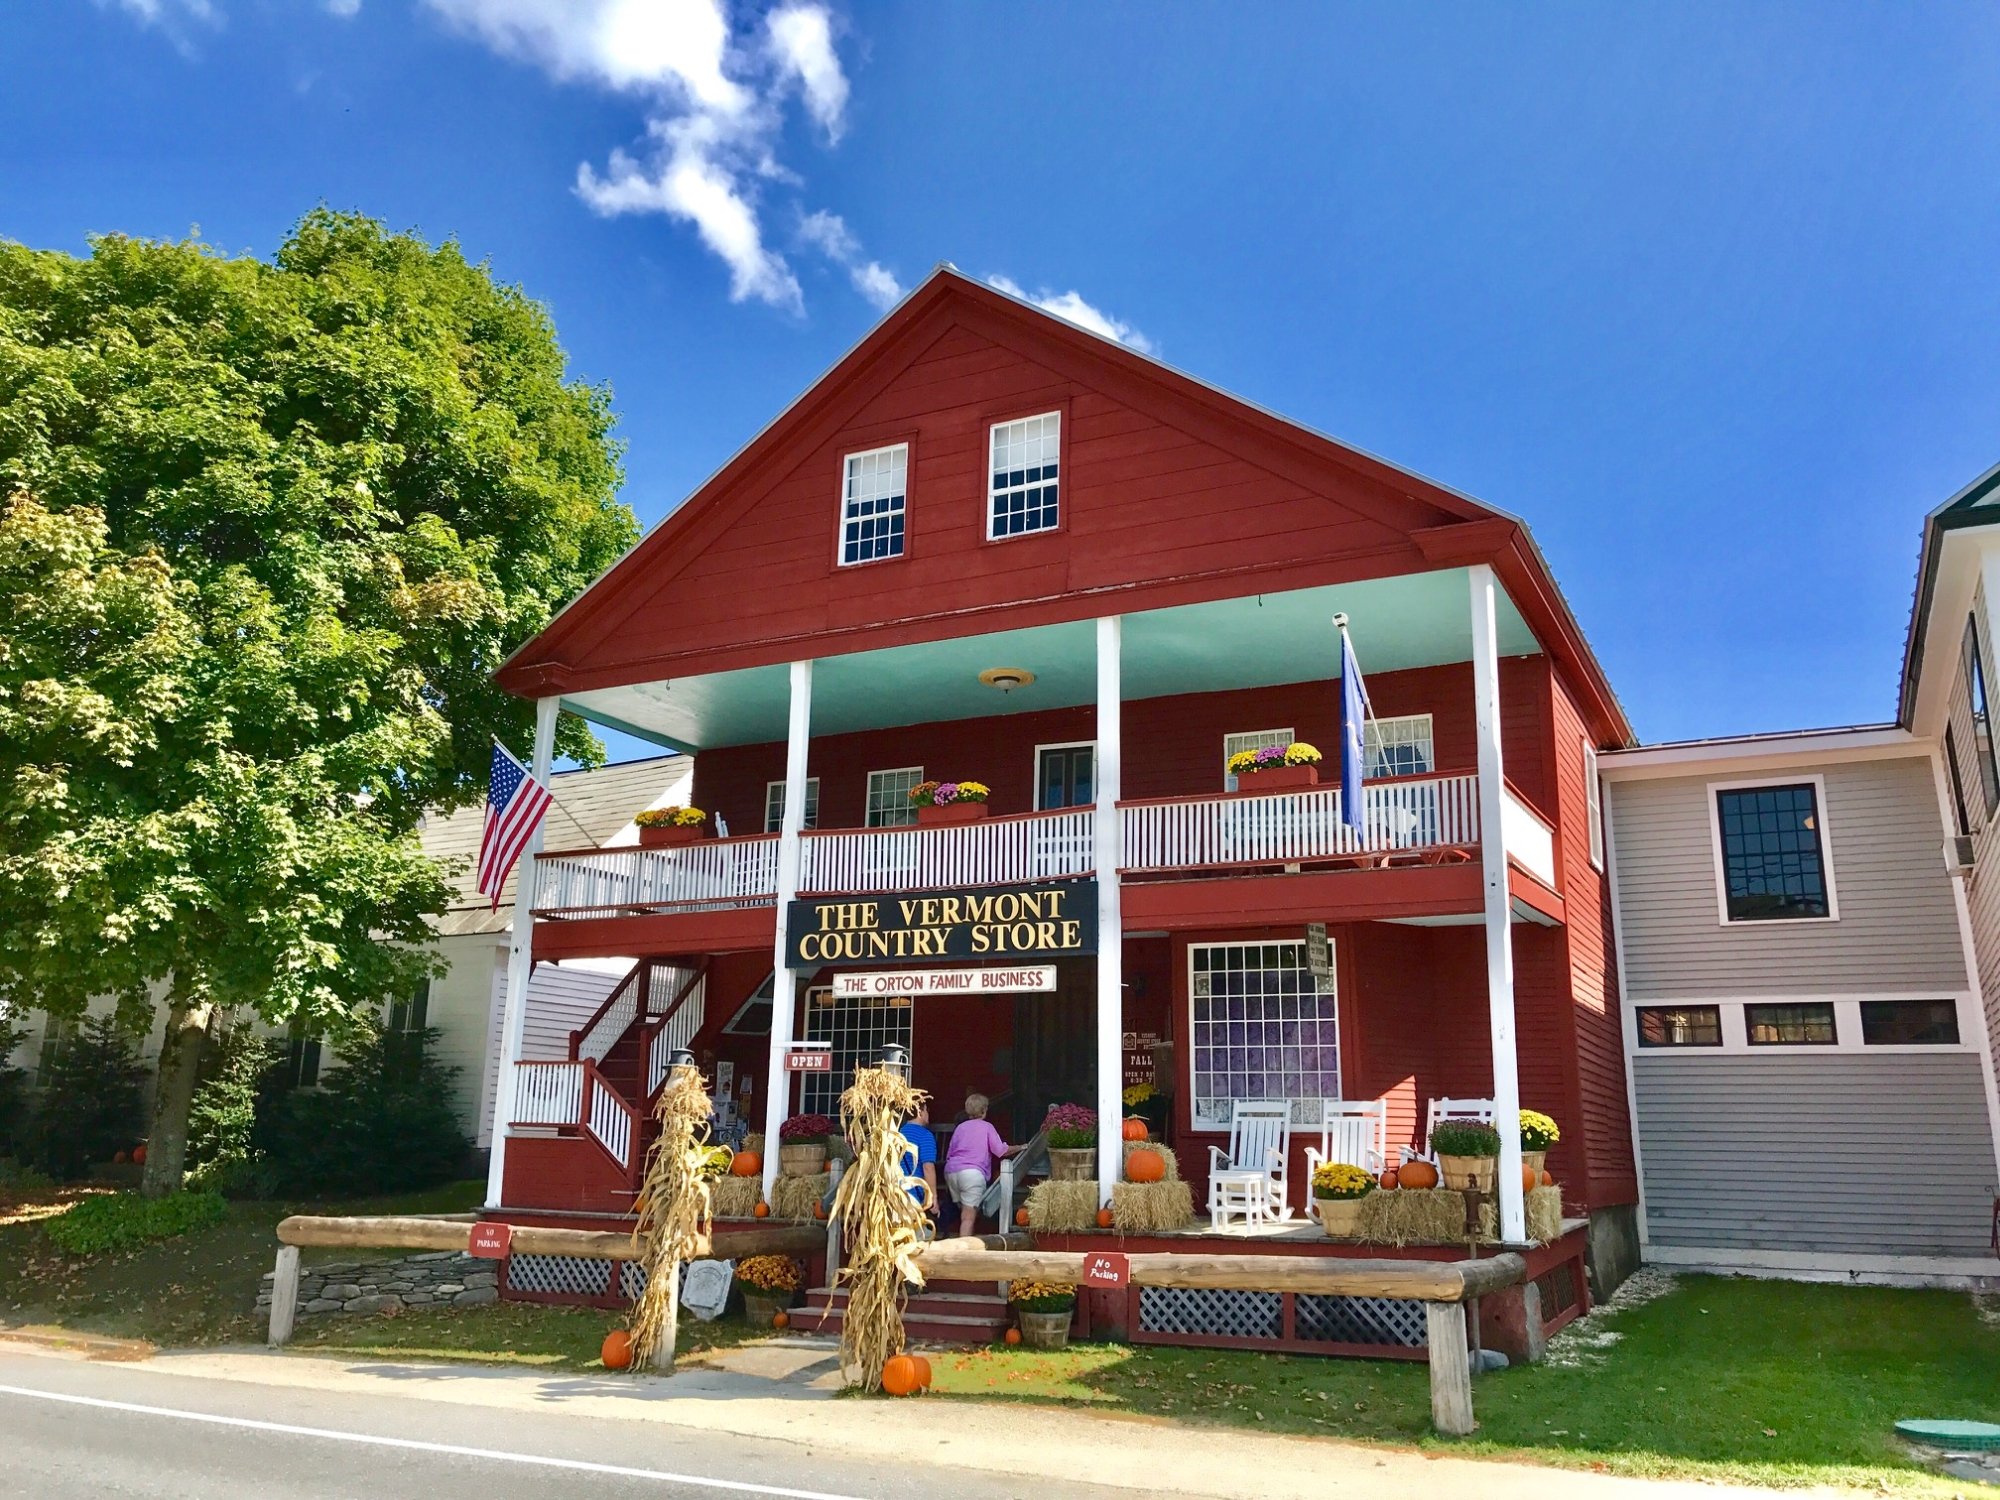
[[889, 797], [1262, 1027], [774, 804], [873, 501], [1250, 739], [856, 1030], [1593, 801], [1764, 1024], [1773, 851], [1398, 747], [1022, 495], [300, 1066], [411, 1014], [56, 1033]]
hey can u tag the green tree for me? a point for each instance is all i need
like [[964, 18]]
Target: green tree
[[272, 527], [92, 1105]]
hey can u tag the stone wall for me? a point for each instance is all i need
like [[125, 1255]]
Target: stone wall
[[434, 1279]]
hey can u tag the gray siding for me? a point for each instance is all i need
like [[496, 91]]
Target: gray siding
[[1898, 927], [1818, 1153]]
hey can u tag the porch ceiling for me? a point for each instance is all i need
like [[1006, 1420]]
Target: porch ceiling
[[1416, 620]]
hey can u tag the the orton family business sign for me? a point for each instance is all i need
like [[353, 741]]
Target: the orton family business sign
[[1055, 919]]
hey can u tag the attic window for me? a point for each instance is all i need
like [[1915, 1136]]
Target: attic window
[[872, 504], [1023, 494]]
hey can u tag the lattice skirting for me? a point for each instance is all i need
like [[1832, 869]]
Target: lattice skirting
[[576, 1278], [1170, 1313], [1397, 1321]]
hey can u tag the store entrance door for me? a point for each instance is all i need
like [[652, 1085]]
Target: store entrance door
[[1055, 1046]]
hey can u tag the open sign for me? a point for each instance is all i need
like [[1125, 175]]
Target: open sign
[[1101, 1268]]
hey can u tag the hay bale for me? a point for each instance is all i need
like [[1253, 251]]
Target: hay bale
[[754, 1141], [1545, 1214], [1436, 1216], [1062, 1207], [1151, 1207], [797, 1197], [1159, 1149], [735, 1197]]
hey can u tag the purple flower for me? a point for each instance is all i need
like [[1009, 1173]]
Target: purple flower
[[947, 792]]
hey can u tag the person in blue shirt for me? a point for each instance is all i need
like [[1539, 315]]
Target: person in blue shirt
[[920, 1158]]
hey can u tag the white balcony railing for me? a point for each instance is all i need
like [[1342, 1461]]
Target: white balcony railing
[[1421, 813], [1527, 839], [713, 873], [991, 851], [575, 1094]]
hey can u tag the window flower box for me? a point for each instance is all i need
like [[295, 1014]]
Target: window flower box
[[948, 802], [1277, 779], [947, 813], [1275, 768], [668, 837], [670, 827]]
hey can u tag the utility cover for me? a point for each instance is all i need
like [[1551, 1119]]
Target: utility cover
[[1945, 1432]]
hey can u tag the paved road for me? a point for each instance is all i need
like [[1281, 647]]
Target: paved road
[[71, 1430]]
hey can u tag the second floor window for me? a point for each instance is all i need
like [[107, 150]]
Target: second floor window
[[1790, 1025], [774, 805], [1773, 853], [1023, 494], [1982, 720], [873, 500], [889, 797], [1680, 1026], [1593, 802], [1399, 747]]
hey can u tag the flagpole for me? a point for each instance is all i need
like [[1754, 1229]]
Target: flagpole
[[1354, 712]]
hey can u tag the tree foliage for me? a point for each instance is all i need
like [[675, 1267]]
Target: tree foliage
[[267, 530], [92, 1104]]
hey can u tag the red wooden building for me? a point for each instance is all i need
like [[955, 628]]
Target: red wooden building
[[990, 545]]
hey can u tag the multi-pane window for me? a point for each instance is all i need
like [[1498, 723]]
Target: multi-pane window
[[1960, 810], [411, 1014], [1773, 855], [873, 500], [1252, 739], [857, 1031], [300, 1066], [1680, 1026], [1398, 747], [1593, 801], [1023, 493], [1263, 1027], [1790, 1025], [774, 805], [889, 797], [55, 1034], [1982, 719], [1909, 1023]]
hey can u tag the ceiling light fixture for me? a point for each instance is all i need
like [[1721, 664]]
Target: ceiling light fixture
[[1006, 678]]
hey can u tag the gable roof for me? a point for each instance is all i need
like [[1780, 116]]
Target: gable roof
[[1978, 504], [1444, 527]]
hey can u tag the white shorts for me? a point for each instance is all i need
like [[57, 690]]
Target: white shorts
[[968, 1186]]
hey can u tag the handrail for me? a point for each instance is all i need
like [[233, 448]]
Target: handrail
[[1300, 825], [589, 849], [576, 1037], [1053, 845], [657, 1040], [1328, 786]]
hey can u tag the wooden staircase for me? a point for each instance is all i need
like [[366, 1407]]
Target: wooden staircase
[[944, 1312]]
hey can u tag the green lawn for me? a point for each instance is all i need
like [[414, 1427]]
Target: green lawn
[[511, 1333]]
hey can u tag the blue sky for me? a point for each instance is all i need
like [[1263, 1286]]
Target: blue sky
[[1709, 294]]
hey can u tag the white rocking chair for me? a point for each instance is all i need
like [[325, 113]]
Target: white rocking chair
[[1248, 1180], [1353, 1131], [1478, 1111]]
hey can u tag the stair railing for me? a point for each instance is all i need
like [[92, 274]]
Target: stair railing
[[835, 1168], [597, 1036]]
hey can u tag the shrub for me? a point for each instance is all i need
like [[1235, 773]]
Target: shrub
[[222, 1118], [122, 1221], [1538, 1131], [1339, 1179], [15, 1178], [1465, 1138], [382, 1122], [1071, 1127], [93, 1105], [13, 1087]]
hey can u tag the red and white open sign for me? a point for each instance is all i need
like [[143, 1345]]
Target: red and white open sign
[[818, 1061], [489, 1241], [1101, 1268]]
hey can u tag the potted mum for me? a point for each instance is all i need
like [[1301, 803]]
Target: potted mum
[[666, 827], [1467, 1154], [802, 1144], [1538, 1133], [770, 1285], [1044, 1310], [1338, 1188], [1275, 768], [949, 801], [1072, 1133]]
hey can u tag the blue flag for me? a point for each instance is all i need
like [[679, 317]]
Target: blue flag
[[1353, 721]]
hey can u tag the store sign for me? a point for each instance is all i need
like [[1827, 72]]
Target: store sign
[[1054, 919], [870, 984], [1102, 1268], [1319, 953], [817, 1060], [489, 1241]]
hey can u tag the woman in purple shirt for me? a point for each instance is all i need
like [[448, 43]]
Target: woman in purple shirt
[[976, 1148]]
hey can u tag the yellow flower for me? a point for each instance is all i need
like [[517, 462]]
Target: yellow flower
[[1339, 1179]]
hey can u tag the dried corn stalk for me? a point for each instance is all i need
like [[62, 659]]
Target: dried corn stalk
[[675, 1215], [881, 1224]]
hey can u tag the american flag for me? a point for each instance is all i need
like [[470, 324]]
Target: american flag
[[515, 803]]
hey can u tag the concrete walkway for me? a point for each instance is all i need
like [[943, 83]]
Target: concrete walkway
[[784, 1392]]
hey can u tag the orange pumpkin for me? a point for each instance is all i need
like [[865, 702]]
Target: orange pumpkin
[[746, 1164], [819, 1210], [1416, 1174], [1013, 1336], [899, 1375], [121, 1157], [1528, 1178], [617, 1350], [761, 1211], [1021, 1217], [139, 1156], [1104, 1219], [1145, 1166], [1135, 1129], [923, 1372], [1548, 1179], [1389, 1179], [781, 1319]]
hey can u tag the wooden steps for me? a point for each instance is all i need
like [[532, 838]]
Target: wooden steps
[[954, 1312]]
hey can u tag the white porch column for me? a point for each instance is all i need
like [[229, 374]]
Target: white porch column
[[784, 984], [520, 959], [1108, 846], [1499, 906]]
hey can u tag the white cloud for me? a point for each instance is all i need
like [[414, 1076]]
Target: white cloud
[[165, 12], [714, 96], [1070, 305], [828, 233], [347, 10]]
